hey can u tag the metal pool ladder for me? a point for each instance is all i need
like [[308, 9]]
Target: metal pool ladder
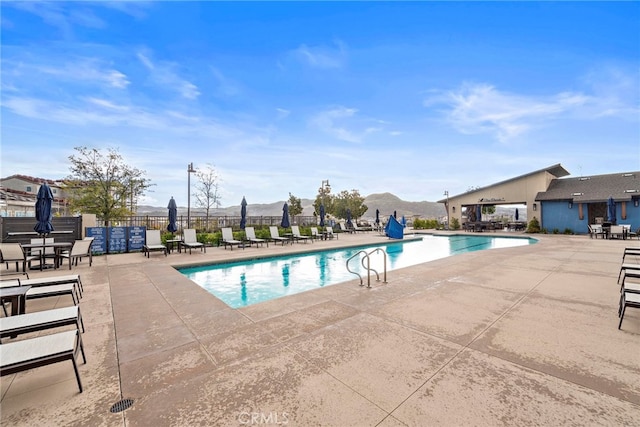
[[367, 266]]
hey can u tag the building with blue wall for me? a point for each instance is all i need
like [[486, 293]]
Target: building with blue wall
[[574, 203]]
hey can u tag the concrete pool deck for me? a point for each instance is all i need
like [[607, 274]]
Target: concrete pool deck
[[516, 336]]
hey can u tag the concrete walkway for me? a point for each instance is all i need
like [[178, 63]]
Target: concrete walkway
[[518, 336]]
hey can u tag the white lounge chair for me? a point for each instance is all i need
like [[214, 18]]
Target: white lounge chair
[[55, 280], [228, 240], [275, 236], [315, 234], [330, 233], [41, 320], [295, 231], [190, 240], [250, 232], [153, 242], [41, 351]]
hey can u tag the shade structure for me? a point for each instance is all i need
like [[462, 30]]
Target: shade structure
[[517, 214], [378, 216], [349, 223], [44, 201], [243, 213], [173, 216], [611, 210], [478, 213], [285, 217], [322, 213]]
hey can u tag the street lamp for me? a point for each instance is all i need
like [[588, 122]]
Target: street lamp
[[190, 170], [325, 184], [446, 193]]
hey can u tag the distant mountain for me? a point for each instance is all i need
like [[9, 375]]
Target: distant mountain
[[385, 202]]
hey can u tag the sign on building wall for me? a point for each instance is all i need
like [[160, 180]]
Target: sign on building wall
[[99, 244]]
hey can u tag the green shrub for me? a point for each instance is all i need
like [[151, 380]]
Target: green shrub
[[568, 231], [555, 231], [455, 224], [533, 226]]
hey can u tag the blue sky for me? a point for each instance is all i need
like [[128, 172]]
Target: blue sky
[[410, 98]]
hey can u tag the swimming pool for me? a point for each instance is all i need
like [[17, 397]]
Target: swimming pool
[[244, 283]]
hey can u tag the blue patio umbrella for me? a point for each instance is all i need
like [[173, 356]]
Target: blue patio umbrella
[[478, 213], [378, 216], [349, 223], [173, 216], [517, 214], [43, 210], [322, 213], [285, 216], [243, 213], [611, 210]]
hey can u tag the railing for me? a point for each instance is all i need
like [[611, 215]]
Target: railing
[[203, 223], [367, 267]]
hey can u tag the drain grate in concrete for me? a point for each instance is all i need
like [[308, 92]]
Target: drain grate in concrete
[[121, 405]]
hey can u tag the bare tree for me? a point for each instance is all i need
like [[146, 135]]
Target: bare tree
[[103, 184], [207, 191]]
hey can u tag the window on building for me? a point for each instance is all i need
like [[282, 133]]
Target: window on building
[[28, 189]]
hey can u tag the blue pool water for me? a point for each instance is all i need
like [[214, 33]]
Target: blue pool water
[[240, 284]]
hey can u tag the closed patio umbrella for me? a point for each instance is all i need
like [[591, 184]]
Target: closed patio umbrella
[[349, 223], [43, 210], [478, 213], [611, 210], [377, 216], [285, 216], [243, 213], [322, 213], [517, 214], [173, 216]]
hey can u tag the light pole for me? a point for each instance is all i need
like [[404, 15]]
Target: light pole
[[446, 193], [325, 184], [190, 170]]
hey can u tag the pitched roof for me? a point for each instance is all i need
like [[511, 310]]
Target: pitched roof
[[32, 179], [597, 188]]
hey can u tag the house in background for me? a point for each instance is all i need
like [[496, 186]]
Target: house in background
[[18, 196], [559, 203], [573, 203]]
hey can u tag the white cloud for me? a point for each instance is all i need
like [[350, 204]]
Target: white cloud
[[164, 75], [481, 108], [282, 113], [322, 56], [345, 124]]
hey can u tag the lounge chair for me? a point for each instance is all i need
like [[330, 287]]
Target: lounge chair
[[596, 230], [13, 252], [80, 248], [54, 291], [330, 233], [41, 351], [315, 234], [295, 231], [626, 267], [275, 236], [631, 252], [228, 240], [55, 280], [344, 228], [190, 240], [250, 232], [41, 320], [629, 299], [153, 242]]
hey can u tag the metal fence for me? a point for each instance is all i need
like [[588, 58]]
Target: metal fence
[[204, 224]]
